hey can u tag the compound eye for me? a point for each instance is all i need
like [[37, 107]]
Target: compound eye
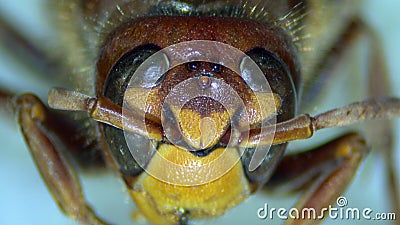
[[247, 70], [123, 70], [278, 76], [280, 81], [114, 89], [152, 72]]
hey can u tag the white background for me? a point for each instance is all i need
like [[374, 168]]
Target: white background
[[24, 200]]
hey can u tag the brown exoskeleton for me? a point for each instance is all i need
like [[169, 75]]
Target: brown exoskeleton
[[292, 15]]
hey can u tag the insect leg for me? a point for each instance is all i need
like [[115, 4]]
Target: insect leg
[[381, 133], [5, 102], [22, 49], [44, 141], [331, 60], [323, 173]]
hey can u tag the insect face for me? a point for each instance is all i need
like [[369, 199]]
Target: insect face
[[240, 181]]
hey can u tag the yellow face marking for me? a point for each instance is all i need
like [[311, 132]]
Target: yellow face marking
[[202, 132], [261, 106], [162, 201]]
